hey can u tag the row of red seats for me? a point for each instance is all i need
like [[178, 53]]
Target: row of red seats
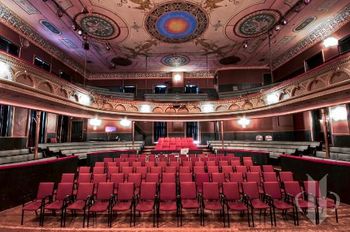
[[153, 197]]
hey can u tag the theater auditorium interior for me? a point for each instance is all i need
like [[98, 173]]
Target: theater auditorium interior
[[174, 115]]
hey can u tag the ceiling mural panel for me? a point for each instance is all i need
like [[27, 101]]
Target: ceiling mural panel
[[137, 35]]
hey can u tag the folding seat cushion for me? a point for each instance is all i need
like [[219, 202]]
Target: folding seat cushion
[[251, 191], [273, 194], [103, 200], [211, 199], [125, 199], [233, 199], [168, 199], [44, 193], [82, 199], [147, 199]]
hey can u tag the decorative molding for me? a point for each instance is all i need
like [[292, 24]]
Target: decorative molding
[[10, 19], [140, 75], [320, 33]]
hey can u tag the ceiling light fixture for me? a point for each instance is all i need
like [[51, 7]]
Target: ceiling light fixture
[[245, 44], [108, 47], [278, 27], [307, 2], [330, 42], [284, 21], [125, 122]]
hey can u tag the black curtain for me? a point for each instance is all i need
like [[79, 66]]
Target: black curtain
[[192, 130], [42, 127], [5, 120], [32, 123], [160, 130]]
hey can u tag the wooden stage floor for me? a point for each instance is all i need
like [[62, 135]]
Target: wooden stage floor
[[10, 222]]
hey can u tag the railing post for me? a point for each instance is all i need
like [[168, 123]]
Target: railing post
[[325, 131], [37, 133], [222, 136]]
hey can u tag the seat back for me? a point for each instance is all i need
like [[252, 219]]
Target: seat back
[[185, 169], [170, 169], [169, 178], [142, 170], [251, 189], [97, 178], [99, 164], [218, 177], [135, 178], [312, 187], [292, 188], [273, 189], [104, 190], [236, 177], [188, 190], [255, 169], [270, 177], [198, 169], [148, 191], [45, 189], [286, 176], [241, 169], [84, 169], [63, 190], [167, 192], [267, 168], [126, 170], [84, 178], [84, 190], [253, 177], [185, 177], [152, 177], [211, 191], [212, 169], [126, 191], [117, 178], [98, 170], [67, 178], [201, 178], [231, 191]]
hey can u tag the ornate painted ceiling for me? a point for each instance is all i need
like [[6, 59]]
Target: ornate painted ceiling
[[155, 36]]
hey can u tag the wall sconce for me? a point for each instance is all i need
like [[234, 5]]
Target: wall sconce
[[125, 122], [95, 122], [330, 42], [177, 77], [339, 113], [244, 122]]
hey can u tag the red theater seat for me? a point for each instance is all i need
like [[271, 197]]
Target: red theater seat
[[44, 195]]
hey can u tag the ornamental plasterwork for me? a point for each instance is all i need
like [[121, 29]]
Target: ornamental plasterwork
[[10, 19], [320, 33]]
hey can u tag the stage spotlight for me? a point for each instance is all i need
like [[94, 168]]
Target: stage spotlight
[[245, 44]]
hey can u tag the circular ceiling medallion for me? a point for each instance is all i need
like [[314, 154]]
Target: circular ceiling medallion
[[256, 23], [175, 60], [229, 60], [99, 26], [176, 22]]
